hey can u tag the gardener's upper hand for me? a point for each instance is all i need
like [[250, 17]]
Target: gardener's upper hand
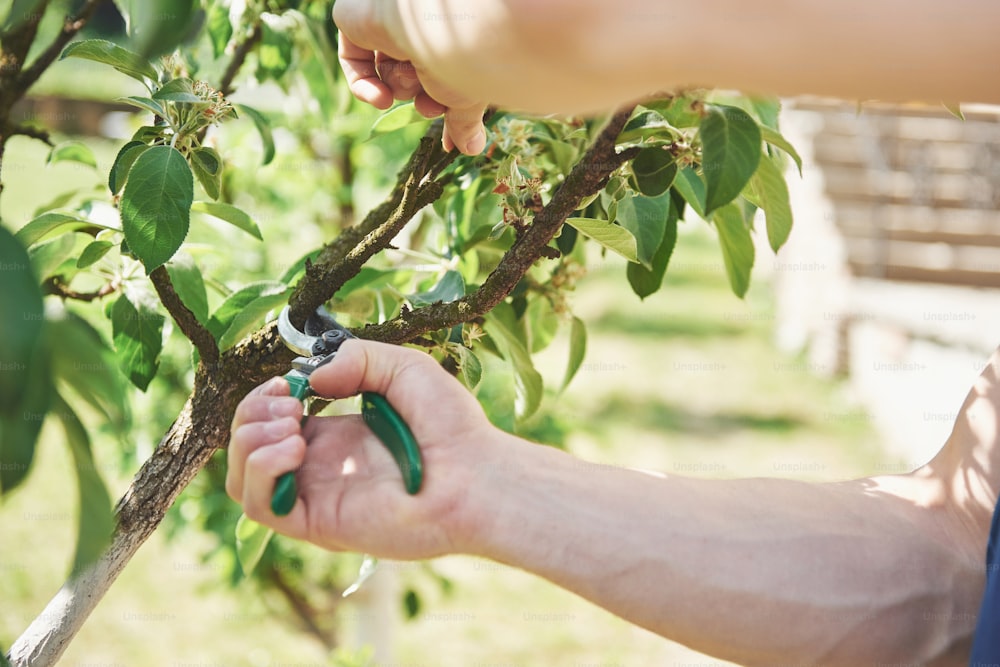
[[351, 495], [380, 68]]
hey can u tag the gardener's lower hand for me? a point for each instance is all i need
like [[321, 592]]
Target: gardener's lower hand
[[351, 496], [378, 67]]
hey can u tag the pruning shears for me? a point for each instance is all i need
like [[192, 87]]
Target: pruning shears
[[318, 345]]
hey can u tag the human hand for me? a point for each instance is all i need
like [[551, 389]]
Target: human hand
[[351, 496], [379, 70]]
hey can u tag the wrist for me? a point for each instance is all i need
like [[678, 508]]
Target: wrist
[[503, 487]]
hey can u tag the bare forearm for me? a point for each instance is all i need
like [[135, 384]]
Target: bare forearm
[[572, 55], [759, 571]]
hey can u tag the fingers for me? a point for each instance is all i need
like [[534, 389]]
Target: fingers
[[268, 415], [464, 130], [379, 79], [400, 76], [262, 468], [362, 74]]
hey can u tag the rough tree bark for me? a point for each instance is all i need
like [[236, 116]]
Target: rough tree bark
[[203, 425]]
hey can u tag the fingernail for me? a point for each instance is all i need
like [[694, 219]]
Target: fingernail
[[272, 383], [476, 144]]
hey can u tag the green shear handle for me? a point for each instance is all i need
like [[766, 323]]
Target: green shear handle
[[377, 412]]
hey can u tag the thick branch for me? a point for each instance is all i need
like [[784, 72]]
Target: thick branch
[[189, 325], [340, 260], [588, 176]]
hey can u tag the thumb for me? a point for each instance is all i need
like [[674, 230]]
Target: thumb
[[464, 130], [363, 365]]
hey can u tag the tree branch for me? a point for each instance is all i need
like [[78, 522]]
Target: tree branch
[[56, 287], [28, 131], [239, 57], [71, 26], [189, 325], [587, 177], [341, 259]]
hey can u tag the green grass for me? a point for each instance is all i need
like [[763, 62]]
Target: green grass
[[687, 382]]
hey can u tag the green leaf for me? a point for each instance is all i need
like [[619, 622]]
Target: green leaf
[[93, 253], [89, 368], [25, 384], [146, 104], [220, 29], [251, 540], [497, 394], [95, 521], [274, 53], [157, 27], [646, 281], [72, 151], [643, 124], [730, 141], [109, 53], [450, 288], [737, 247], [138, 334], [541, 322], [767, 109], [59, 200], [207, 167], [954, 109], [179, 90], [45, 224], [243, 310], [645, 218], [768, 183], [156, 205], [189, 285], [396, 118], [127, 156], [263, 128], [577, 348], [228, 213], [503, 327], [692, 190], [775, 139], [49, 257], [613, 237], [468, 365], [679, 111], [411, 604], [655, 170]]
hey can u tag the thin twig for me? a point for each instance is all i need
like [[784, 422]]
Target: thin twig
[[239, 57], [189, 325], [56, 287], [71, 27]]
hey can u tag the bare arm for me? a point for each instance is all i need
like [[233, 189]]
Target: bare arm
[[593, 55], [762, 571]]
